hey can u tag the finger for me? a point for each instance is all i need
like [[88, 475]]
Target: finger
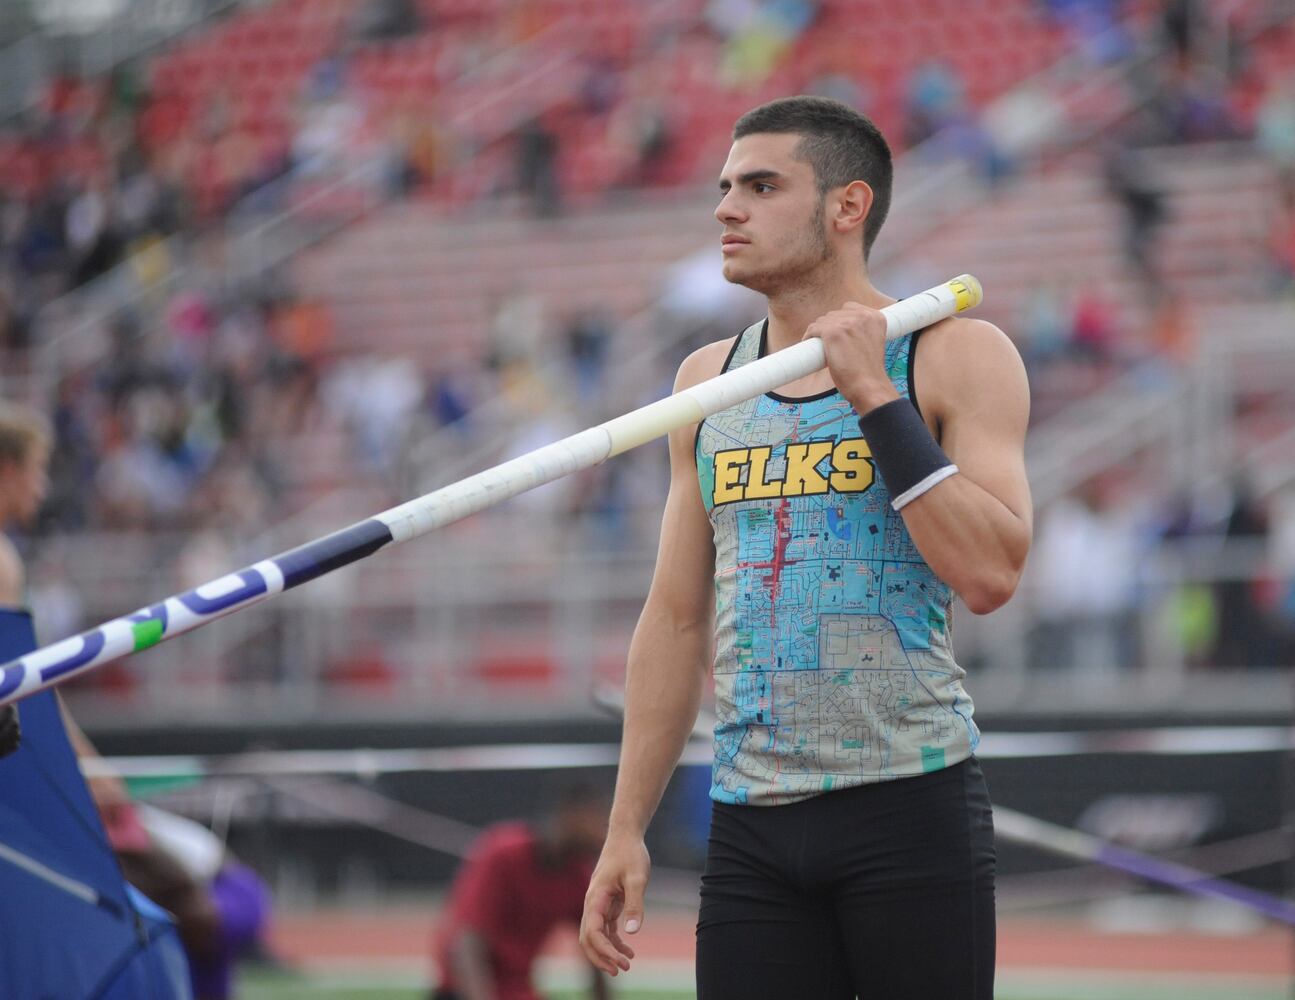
[[611, 927], [618, 942], [600, 910], [601, 952], [634, 886]]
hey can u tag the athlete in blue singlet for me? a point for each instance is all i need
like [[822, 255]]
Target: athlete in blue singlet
[[812, 544]]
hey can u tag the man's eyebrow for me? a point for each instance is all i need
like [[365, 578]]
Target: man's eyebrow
[[749, 177]]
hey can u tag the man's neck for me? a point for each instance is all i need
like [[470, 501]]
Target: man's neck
[[791, 312]]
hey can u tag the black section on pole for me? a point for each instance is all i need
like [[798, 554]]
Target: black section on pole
[[304, 563]]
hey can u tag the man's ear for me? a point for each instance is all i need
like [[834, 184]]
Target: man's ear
[[853, 203]]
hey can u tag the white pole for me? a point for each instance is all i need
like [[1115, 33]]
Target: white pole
[[182, 613]]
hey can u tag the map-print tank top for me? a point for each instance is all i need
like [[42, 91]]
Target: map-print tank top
[[833, 663]]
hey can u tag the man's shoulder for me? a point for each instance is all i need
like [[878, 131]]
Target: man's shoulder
[[959, 336], [703, 363], [961, 355]]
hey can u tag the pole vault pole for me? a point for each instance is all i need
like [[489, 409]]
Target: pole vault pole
[[1022, 829], [184, 612]]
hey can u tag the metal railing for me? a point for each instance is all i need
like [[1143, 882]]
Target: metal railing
[[68, 40], [468, 629]]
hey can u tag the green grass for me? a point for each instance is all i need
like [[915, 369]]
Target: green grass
[[278, 987]]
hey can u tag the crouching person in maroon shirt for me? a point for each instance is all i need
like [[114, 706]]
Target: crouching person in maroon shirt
[[519, 881]]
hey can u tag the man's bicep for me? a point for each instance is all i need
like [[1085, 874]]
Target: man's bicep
[[681, 584], [686, 554], [984, 416]]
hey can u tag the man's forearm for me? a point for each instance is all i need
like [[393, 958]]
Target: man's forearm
[[667, 668]]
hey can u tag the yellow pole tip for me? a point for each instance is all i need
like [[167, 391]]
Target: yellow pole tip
[[967, 290]]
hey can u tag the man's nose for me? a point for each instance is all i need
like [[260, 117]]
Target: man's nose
[[729, 209]]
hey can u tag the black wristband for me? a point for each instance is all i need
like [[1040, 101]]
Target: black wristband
[[909, 459]]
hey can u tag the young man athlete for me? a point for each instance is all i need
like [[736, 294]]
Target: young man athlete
[[812, 543]]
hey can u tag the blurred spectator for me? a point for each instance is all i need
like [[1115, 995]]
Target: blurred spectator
[[518, 328], [1044, 327], [933, 98], [1085, 560], [757, 34], [87, 221], [385, 20], [451, 397], [415, 152], [832, 70], [537, 173], [41, 247], [601, 88], [840, 86], [375, 397], [1185, 26], [1275, 128], [1097, 28], [328, 76], [330, 135], [940, 126], [126, 90], [1282, 523], [642, 129], [1171, 334], [1094, 330], [1245, 636], [1281, 242], [302, 328], [587, 336], [520, 880], [15, 325], [965, 138], [57, 605], [1194, 103], [1143, 202]]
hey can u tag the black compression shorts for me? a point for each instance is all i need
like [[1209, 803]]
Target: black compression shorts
[[881, 892]]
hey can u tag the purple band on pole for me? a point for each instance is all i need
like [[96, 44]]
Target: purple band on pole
[[1178, 877]]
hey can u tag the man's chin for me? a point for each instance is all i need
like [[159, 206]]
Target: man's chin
[[736, 276]]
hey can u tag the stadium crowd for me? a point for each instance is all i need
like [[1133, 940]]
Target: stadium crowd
[[203, 392]]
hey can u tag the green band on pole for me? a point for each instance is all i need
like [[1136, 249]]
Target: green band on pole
[[147, 633]]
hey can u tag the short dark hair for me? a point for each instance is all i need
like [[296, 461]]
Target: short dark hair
[[841, 145]]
